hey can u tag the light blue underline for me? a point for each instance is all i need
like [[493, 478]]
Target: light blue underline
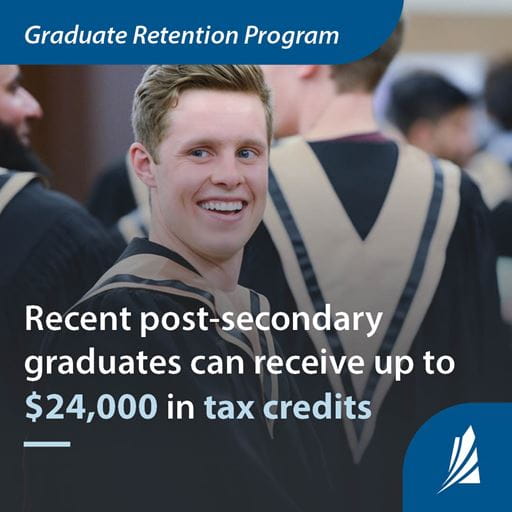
[[47, 444]]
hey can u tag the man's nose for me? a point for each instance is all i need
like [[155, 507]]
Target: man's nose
[[31, 106], [227, 173]]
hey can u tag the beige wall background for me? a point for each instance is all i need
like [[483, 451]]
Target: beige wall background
[[459, 26], [490, 34]]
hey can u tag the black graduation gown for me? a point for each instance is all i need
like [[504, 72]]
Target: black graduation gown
[[491, 169], [462, 321], [160, 464], [501, 224], [112, 195], [116, 201], [52, 251]]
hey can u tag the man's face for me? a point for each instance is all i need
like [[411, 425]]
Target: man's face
[[452, 137], [211, 179], [17, 106]]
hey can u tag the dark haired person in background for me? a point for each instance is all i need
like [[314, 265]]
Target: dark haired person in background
[[498, 101], [121, 203], [433, 115], [491, 168], [113, 194]]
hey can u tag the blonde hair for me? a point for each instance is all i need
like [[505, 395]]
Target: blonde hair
[[161, 86]]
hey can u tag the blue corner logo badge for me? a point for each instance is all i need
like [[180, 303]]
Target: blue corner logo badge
[[460, 460], [463, 462]]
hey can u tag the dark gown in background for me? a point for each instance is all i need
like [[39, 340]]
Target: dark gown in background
[[112, 196]]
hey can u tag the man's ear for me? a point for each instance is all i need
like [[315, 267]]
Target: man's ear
[[143, 164]]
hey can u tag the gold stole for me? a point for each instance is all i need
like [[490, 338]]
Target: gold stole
[[16, 183], [160, 274], [396, 269]]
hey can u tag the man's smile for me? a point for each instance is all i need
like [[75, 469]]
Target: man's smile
[[223, 207]]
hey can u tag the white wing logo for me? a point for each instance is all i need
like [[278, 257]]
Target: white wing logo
[[463, 467]]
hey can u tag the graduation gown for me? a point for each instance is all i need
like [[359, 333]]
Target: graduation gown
[[367, 225], [186, 464], [121, 202], [112, 195], [52, 252]]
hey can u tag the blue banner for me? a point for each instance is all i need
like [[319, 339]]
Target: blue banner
[[460, 460], [265, 32]]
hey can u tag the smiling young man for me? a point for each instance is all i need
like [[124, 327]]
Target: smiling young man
[[208, 179], [202, 137]]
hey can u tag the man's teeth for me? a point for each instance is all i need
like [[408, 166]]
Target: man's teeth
[[222, 206]]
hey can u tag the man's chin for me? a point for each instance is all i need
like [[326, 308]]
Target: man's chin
[[220, 253]]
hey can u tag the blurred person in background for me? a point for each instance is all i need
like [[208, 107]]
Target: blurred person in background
[[498, 101], [52, 252], [491, 168], [433, 115], [116, 192], [120, 202]]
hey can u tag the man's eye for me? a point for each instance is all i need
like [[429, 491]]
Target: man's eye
[[247, 153], [199, 153]]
